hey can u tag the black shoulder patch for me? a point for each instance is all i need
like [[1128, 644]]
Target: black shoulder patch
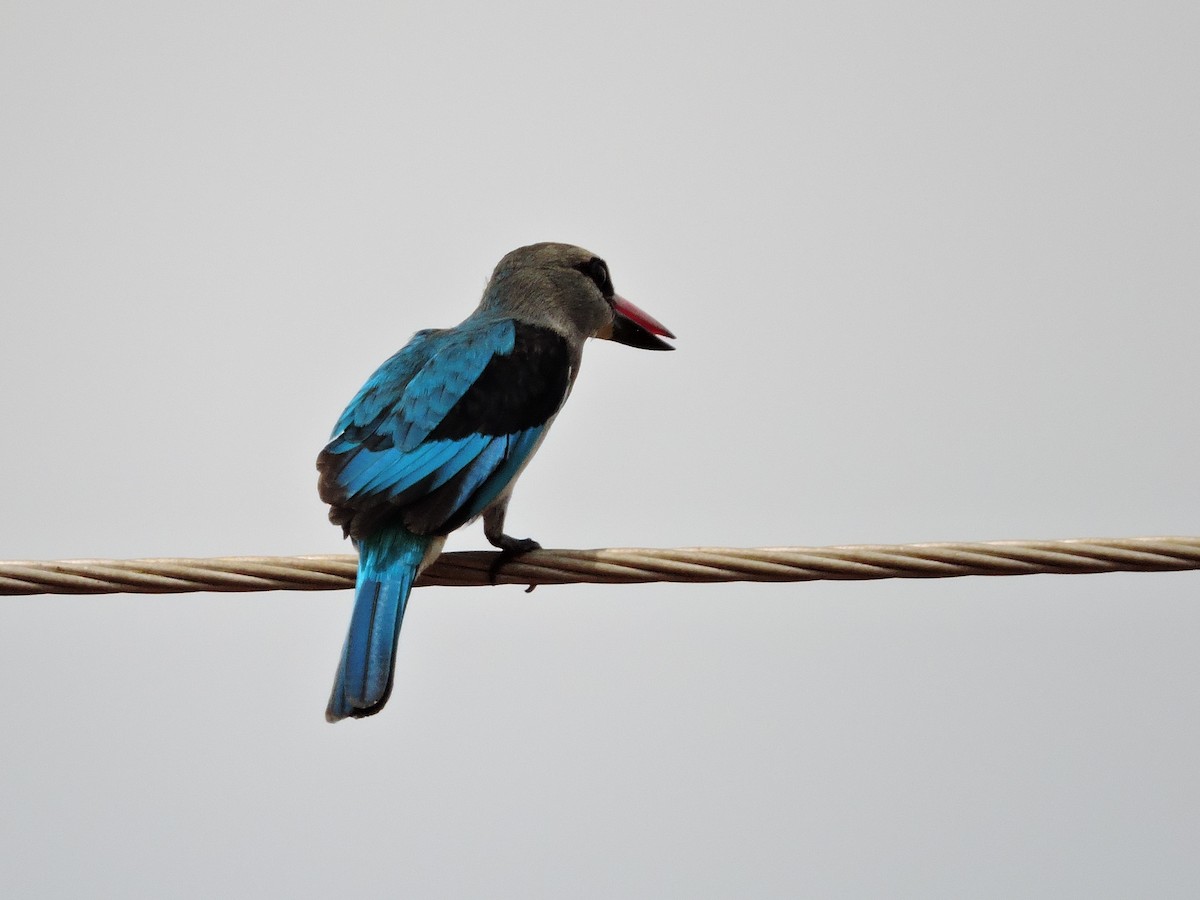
[[515, 392]]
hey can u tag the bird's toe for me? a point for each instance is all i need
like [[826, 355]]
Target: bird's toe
[[510, 549]]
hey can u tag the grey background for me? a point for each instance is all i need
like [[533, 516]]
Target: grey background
[[933, 267]]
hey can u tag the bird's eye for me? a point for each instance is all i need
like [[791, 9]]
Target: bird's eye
[[597, 271]]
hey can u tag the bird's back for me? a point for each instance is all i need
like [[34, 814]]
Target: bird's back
[[434, 430]]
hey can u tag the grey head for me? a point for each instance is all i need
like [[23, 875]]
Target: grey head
[[570, 290]]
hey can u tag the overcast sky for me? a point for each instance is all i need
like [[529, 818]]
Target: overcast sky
[[934, 272]]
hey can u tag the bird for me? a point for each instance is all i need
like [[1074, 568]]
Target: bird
[[439, 434]]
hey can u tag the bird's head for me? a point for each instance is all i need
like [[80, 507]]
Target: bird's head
[[571, 290]]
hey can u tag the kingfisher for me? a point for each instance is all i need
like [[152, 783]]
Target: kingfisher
[[439, 434]]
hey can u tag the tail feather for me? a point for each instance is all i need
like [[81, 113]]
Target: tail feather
[[388, 563]]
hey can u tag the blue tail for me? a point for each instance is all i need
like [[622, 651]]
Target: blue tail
[[388, 561]]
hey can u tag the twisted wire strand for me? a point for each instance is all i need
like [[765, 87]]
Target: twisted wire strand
[[615, 566]]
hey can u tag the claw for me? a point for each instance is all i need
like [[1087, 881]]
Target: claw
[[510, 549]]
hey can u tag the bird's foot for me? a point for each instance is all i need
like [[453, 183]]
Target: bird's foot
[[510, 549]]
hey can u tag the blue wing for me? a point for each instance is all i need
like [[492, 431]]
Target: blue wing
[[441, 428]]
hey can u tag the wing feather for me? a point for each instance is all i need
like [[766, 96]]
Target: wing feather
[[441, 428]]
